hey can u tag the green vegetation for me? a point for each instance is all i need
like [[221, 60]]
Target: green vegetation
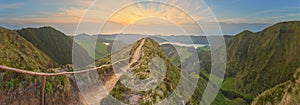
[[259, 64], [152, 49], [205, 58], [101, 49], [53, 42], [287, 93], [230, 92], [172, 54], [19, 53], [261, 60], [219, 100]]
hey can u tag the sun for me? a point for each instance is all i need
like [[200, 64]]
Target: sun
[[132, 20]]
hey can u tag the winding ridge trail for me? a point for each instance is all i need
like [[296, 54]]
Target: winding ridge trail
[[137, 53], [109, 85], [95, 96], [91, 96]]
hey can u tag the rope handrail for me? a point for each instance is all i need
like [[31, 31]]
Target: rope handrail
[[44, 75], [47, 74], [3, 67]]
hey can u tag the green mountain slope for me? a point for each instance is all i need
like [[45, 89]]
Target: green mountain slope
[[287, 93], [53, 42], [259, 61], [18, 52], [141, 70], [150, 50], [102, 46], [16, 88]]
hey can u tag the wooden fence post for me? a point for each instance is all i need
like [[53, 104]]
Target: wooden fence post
[[43, 90]]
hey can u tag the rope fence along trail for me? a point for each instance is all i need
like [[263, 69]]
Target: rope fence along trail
[[44, 76]]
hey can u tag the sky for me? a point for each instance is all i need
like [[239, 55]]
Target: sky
[[173, 17]]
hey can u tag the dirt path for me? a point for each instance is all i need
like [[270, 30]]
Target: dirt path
[[137, 53], [96, 95], [109, 85]]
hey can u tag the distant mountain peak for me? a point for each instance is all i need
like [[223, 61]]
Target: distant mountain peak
[[288, 25], [246, 31], [287, 22]]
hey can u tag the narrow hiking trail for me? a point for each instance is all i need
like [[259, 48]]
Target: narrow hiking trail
[[96, 95], [98, 92], [109, 85], [137, 53]]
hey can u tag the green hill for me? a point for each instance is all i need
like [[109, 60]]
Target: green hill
[[53, 42], [101, 49], [261, 60], [18, 52], [287, 93], [16, 88], [141, 70]]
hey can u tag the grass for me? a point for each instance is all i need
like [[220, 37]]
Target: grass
[[19, 53], [214, 79], [229, 90], [287, 93], [261, 60], [219, 100], [100, 51], [273, 95], [151, 50]]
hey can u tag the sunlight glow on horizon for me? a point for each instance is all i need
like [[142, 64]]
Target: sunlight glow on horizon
[[133, 13], [234, 16]]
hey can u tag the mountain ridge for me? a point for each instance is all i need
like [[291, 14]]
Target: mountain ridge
[[18, 88], [53, 42], [140, 70], [261, 56]]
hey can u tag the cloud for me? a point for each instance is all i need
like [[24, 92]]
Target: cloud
[[39, 20], [70, 12], [269, 11], [142, 10], [80, 3], [294, 14], [11, 6], [234, 20]]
